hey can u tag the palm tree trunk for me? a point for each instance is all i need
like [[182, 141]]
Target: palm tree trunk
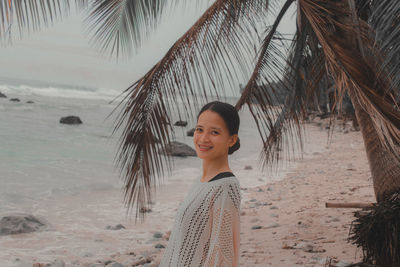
[[378, 230], [384, 168]]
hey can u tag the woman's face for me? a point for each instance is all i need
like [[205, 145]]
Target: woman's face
[[211, 137]]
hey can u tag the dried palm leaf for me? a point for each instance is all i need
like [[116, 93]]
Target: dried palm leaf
[[260, 95], [387, 35], [198, 60], [354, 70], [303, 71], [377, 231]]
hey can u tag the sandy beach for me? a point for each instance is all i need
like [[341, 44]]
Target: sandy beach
[[284, 221], [296, 228]]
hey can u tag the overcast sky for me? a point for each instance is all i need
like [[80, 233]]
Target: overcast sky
[[61, 53]]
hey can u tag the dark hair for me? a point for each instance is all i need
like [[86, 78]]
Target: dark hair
[[231, 117]]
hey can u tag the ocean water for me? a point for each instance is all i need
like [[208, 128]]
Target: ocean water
[[66, 174]]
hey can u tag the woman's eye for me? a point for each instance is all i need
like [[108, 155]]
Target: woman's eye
[[215, 132], [199, 129]]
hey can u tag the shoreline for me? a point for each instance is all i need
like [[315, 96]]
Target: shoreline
[[286, 206]]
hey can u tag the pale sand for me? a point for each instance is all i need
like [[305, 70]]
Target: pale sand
[[339, 174]]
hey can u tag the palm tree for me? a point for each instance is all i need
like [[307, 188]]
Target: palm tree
[[353, 42]]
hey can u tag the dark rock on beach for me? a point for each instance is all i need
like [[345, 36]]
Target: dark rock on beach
[[70, 120], [159, 246], [30, 102], [116, 227], [2, 95], [157, 235], [190, 132], [21, 223], [15, 99], [145, 210], [181, 123], [55, 263], [178, 149]]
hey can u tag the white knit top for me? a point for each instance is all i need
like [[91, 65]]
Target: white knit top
[[206, 231]]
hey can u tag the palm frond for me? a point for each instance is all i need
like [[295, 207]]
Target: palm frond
[[262, 89], [32, 15], [352, 70], [191, 71], [119, 25], [385, 21]]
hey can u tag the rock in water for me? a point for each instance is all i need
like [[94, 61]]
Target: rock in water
[[21, 223], [3, 95], [71, 120], [190, 132], [181, 123], [15, 99], [178, 149]]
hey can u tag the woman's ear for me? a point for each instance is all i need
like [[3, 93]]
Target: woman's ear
[[233, 140]]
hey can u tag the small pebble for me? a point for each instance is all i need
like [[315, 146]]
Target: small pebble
[[273, 225], [157, 235], [159, 246]]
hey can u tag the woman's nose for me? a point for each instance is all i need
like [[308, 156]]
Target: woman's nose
[[205, 137]]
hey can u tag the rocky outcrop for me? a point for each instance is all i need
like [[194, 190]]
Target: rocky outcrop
[[21, 223], [178, 149], [2, 95], [70, 120], [181, 123], [190, 132]]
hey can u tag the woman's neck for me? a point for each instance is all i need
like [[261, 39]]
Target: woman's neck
[[213, 167]]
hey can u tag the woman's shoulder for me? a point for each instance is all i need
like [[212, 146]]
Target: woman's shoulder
[[229, 186], [230, 180]]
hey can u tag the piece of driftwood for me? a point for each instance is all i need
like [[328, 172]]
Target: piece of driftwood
[[348, 205]]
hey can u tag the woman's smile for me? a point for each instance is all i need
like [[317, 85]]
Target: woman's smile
[[204, 148]]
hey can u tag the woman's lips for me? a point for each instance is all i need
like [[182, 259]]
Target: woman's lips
[[204, 148]]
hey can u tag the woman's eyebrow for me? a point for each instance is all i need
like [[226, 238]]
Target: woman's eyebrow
[[214, 128]]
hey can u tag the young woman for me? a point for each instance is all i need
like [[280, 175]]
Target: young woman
[[207, 227]]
